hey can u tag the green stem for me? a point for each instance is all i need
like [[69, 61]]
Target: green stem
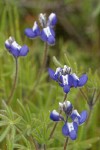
[[55, 125], [41, 69], [14, 83], [96, 98], [45, 56], [44, 147], [66, 143], [32, 141], [43, 62]]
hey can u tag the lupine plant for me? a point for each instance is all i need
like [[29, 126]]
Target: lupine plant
[[36, 123]]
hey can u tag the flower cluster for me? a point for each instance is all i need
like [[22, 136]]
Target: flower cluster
[[15, 49], [47, 33], [66, 78], [69, 128]]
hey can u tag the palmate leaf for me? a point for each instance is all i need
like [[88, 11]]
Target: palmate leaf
[[4, 133], [20, 147], [56, 62], [79, 145], [86, 143]]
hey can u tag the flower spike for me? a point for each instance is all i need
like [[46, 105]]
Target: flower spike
[[69, 128]]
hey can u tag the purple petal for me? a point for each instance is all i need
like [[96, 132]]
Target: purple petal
[[55, 116], [51, 40], [75, 116], [47, 36], [14, 51], [52, 32], [43, 36], [7, 46], [66, 88], [82, 80], [74, 80], [65, 130], [83, 117], [29, 33], [23, 50], [52, 19], [51, 73], [75, 126], [73, 135], [70, 80]]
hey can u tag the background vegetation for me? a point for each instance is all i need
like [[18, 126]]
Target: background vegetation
[[26, 121]]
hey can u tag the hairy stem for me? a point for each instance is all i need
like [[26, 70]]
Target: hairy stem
[[89, 117], [14, 83], [66, 143], [32, 141], [43, 62], [86, 98], [44, 57], [96, 98], [55, 125]]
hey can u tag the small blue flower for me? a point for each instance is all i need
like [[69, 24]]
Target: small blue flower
[[34, 31], [69, 128], [66, 107], [52, 20], [55, 116], [79, 118], [47, 33], [15, 49], [67, 79]]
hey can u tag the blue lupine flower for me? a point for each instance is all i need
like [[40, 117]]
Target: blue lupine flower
[[34, 31], [47, 33], [66, 107], [67, 79], [55, 116], [52, 20], [15, 49], [78, 118], [69, 128]]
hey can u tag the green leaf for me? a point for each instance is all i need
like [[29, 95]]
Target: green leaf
[[4, 133], [56, 62]]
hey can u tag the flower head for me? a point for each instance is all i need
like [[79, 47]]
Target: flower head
[[15, 49], [67, 79], [69, 128], [47, 33]]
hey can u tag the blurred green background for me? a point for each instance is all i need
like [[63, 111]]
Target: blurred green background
[[77, 44]]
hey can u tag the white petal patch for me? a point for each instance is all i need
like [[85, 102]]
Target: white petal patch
[[67, 104], [70, 126], [75, 76], [76, 113], [55, 112], [52, 15], [65, 79], [42, 19], [16, 45], [47, 31], [10, 40], [34, 26], [61, 106], [58, 70]]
